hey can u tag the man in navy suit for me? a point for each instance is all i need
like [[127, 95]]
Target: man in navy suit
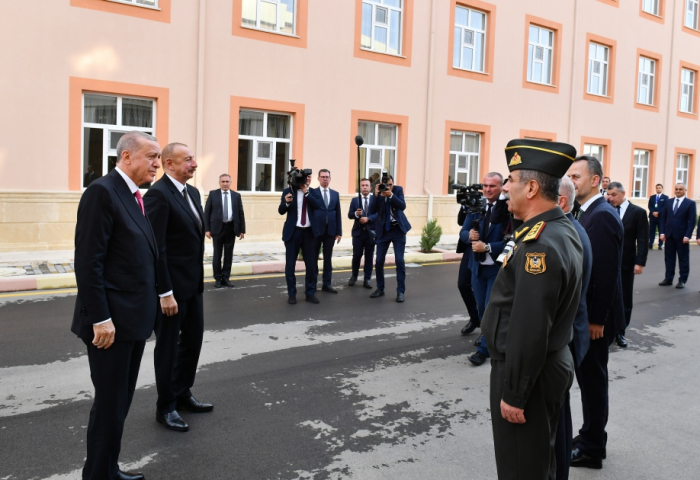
[[362, 233], [677, 224], [605, 310], [299, 206], [656, 205], [392, 226], [328, 225], [486, 245]]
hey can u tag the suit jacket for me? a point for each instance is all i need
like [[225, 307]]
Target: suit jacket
[[680, 224], [397, 205], [582, 338], [180, 238], [635, 245], [357, 227], [312, 203], [328, 220], [214, 212], [604, 295], [494, 237], [115, 262], [652, 204]]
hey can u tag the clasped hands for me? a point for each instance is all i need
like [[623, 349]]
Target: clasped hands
[[477, 245]]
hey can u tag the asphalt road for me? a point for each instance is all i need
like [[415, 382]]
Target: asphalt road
[[351, 388]]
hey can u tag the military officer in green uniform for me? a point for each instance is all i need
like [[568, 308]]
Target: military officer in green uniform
[[528, 322]]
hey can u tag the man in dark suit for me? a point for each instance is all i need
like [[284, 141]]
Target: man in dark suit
[[362, 236], [89, 176], [327, 225], [175, 210], [391, 228], [676, 228], [299, 206], [464, 279], [224, 220], [115, 270], [656, 205], [634, 248], [605, 310]]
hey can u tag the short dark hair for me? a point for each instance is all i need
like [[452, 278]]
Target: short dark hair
[[224, 175], [659, 185], [324, 170], [616, 185], [594, 166], [607, 178], [365, 180], [549, 184]]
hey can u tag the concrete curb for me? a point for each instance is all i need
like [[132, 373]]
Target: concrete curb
[[67, 280]]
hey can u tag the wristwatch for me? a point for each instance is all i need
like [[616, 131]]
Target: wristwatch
[[487, 248]]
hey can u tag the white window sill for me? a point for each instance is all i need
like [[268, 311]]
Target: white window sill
[[543, 84], [135, 4], [470, 71], [646, 104], [695, 29], [266, 31], [688, 113], [653, 14], [381, 53], [598, 95]]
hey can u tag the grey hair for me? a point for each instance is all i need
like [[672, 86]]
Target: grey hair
[[495, 174], [549, 184], [131, 141], [681, 183], [567, 189], [594, 166], [616, 185], [224, 175]]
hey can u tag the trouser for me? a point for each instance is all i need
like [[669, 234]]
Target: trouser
[[223, 243], [464, 284], [326, 241], [592, 376], [397, 238], [482, 284], [362, 245], [303, 239], [563, 445], [526, 451], [677, 247], [114, 372], [654, 225], [627, 277], [178, 344]]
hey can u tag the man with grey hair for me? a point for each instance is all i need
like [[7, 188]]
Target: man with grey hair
[[634, 248], [675, 229]]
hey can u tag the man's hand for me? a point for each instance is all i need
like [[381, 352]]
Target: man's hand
[[656, 214], [512, 414], [288, 198], [662, 237], [595, 330], [686, 240], [386, 193], [638, 269], [104, 335], [364, 220], [358, 212], [208, 234], [241, 236], [168, 305], [304, 188], [473, 235], [337, 239], [479, 246]]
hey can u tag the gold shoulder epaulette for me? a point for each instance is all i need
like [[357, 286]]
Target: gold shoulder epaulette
[[534, 232]]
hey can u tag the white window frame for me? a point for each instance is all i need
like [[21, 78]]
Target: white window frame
[[682, 168], [687, 90], [369, 148], [136, 3], [279, 20], [378, 4], [600, 62], [640, 176], [468, 157], [107, 150], [589, 149], [651, 7], [692, 14], [646, 81], [461, 32], [273, 150], [547, 60]]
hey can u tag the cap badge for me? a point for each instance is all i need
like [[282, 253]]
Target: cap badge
[[515, 160]]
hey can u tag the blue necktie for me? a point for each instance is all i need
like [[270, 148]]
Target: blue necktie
[[387, 224], [675, 206]]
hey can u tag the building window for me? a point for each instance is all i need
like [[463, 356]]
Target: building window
[[470, 39], [596, 151], [598, 69], [687, 90], [539, 59], [645, 90], [641, 173], [465, 148], [381, 26], [691, 13], [651, 6], [378, 153], [140, 3], [682, 164], [275, 16], [105, 119], [264, 149]]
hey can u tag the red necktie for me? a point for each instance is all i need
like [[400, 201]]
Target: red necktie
[[303, 212], [139, 199]]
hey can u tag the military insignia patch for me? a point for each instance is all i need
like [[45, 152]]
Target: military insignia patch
[[518, 234], [534, 232], [515, 160], [534, 263]]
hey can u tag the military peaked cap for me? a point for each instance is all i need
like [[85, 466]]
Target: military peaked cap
[[553, 158]]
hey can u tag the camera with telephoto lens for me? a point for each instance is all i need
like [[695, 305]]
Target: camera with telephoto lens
[[471, 197], [383, 187], [296, 178]]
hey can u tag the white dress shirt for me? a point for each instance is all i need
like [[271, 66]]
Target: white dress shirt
[[300, 203], [488, 259], [180, 187], [362, 204], [595, 197], [623, 208], [679, 201]]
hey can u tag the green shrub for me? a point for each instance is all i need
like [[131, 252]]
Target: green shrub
[[430, 236]]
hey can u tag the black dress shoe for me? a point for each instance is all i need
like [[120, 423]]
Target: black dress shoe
[[329, 289], [578, 459], [477, 342], [292, 300], [129, 476], [192, 405], [377, 293], [218, 284], [680, 285], [312, 299], [352, 281], [227, 283], [172, 421], [366, 284], [621, 341], [666, 283], [577, 439], [477, 359], [399, 298], [471, 326]]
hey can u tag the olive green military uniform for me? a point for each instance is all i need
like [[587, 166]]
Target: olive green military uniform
[[527, 327]]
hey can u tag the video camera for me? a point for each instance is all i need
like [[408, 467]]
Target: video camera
[[471, 197], [296, 178], [383, 187]]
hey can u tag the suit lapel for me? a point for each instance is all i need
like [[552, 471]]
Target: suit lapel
[[132, 207], [179, 199]]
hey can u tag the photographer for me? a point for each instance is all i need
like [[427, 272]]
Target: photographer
[[297, 234], [362, 233], [391, 227]]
